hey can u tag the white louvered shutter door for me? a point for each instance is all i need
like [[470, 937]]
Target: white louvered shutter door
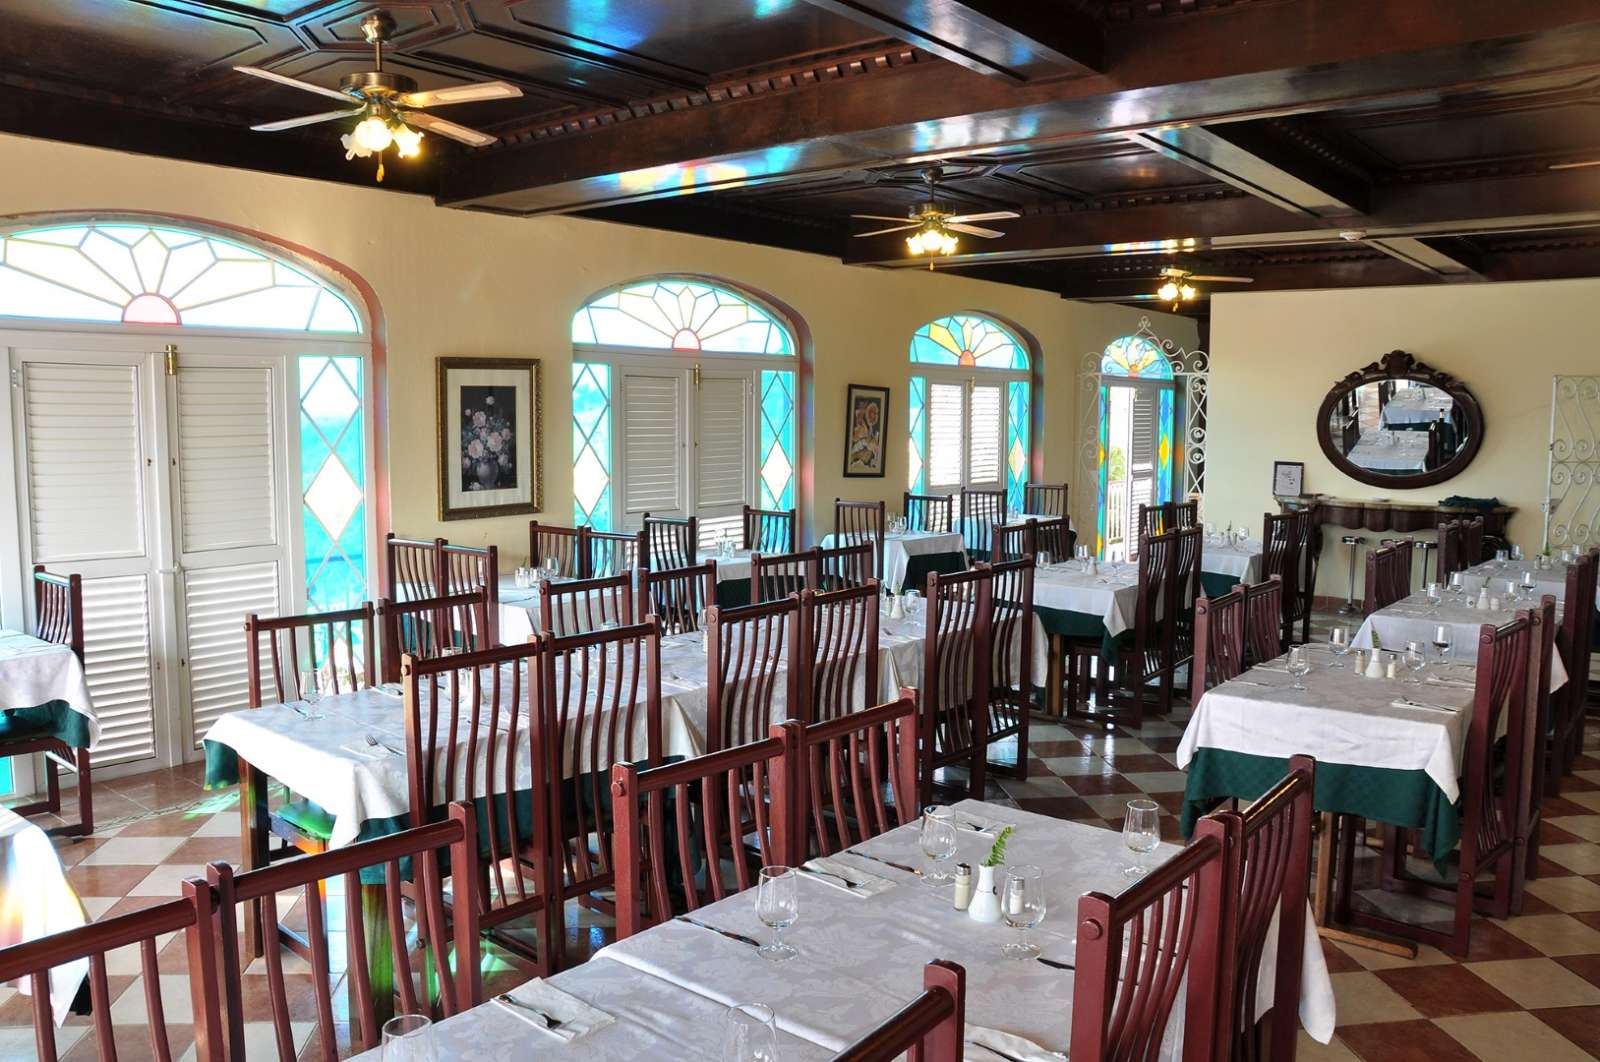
[[654, 431], [723, 454], [983, 452], [946, 437]]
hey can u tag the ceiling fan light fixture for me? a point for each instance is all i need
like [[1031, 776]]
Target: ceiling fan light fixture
[[373, 133], [407, 141], [1168, 292], [1188, 292]]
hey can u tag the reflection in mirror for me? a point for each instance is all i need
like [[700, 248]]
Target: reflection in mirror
[[1398, 427]]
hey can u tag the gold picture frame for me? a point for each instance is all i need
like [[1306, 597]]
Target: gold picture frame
[[490, 437]]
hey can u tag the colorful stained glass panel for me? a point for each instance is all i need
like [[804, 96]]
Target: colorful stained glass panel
[[918, 405], [332, 474], [1017, 419], [965, 339], [1135, 356], [591, 444], [776, 455], [688, 315]]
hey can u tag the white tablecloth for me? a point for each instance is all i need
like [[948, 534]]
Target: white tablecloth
[[1243, 562], [899, 549], [35, 672], [1417, 405], [1552, 580], [1414, 620], [861, 958], [1112, 593], [38, 901], [1408, 452]]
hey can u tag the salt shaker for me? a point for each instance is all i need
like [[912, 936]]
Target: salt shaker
[[1483, 596], [963, 893], [1389, 667]]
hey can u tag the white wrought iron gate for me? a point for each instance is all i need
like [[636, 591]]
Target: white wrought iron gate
[[1572, 492]]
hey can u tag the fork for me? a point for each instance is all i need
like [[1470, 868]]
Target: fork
[[852, 885], [375, 743], [550, 1022]]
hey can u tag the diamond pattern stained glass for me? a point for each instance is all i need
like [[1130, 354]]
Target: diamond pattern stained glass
[[964, 339], [1164, 445], [777, 439], [689, 315], [332, 473], [1017, 418], [591, 444], [918, 405], [145, 274]]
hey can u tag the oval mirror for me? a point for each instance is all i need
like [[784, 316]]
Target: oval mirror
[[1399, 423]]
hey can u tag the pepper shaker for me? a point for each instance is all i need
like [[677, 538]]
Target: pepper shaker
[[963, 892]]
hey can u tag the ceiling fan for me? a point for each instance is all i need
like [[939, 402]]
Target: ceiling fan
[[1176, 287], [1582, 164], [387, 103], [936, 223]]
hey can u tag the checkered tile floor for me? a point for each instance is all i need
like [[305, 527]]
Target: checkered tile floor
[[1530, 988]]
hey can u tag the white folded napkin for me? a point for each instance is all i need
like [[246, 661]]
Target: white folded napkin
[[967, 820], [577, 1018], [993, 1045], [829, 871]]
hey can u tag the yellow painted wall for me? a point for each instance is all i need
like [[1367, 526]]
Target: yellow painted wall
[[1274, 356], [453, 283]]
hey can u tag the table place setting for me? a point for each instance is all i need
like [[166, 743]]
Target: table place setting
[[1445, 622], [552, 1011]]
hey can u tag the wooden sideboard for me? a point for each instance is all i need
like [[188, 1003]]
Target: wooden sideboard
[[1377, 514]]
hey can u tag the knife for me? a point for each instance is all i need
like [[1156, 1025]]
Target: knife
[[885, 862], [730, 934]]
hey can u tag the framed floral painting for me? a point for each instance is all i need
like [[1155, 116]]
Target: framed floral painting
[[490, 458], [866, 420]]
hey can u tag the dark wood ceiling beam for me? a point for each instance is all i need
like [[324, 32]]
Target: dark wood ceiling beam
[[1350, 272], [1204, 68], [1429, 257], [1016, 40], [1237, 154]]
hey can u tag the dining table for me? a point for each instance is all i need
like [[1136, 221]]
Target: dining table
[[44, 692], [1391, 451], [1550, 579], [1416, 618], [860, 954], [37, 900], [1226, 561], [1076, 600], [1416, 405], [910, 556]]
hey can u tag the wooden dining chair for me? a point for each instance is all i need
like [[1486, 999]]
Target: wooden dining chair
[[1574, 638], [1136, 950], [1541, 650], [860, 523], [599, 703], [1014, 541], [1155, 519], [139, 1031], [471, 569], [1298, 606], [679, 596], [612, 553], [447, 968], [1472, 532], [777, 575], [1388, 576], [1280, 556], [1218, 641], [857, 776], [1266, 868], [981, 511], [1010, 623], [1054, 539], [931, 513], [839, 655], [1263, 620], [1147, 657], [669, 541], [1188, 546], [564, 545], [57, 619], [771, 530], [469, 737], [1184, 514], [952, 694], [844, 566], [426, 626], [576, 606], [694, 832], [750, 651], [411, 567], [1044, 499], [930, 1028]]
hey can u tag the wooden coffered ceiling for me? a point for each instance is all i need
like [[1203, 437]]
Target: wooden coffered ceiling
[[1305, 143]]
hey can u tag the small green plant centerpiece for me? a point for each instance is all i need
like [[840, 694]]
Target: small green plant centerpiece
[[997, 851], [985, 906]]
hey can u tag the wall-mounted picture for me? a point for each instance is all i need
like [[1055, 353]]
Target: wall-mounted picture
[[866, 418], [1288, 478], [490, 459]]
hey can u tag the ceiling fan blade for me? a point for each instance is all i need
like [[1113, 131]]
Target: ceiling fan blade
[[883, 232], [1120, 280], [482, 90], [880, 217], [309, 119], [973, 230], [1223, 280], [293, 82], [470, 137], [1575, 165], [993, 215]]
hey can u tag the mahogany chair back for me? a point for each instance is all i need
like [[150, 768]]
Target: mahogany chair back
[[612, 552], [1388, 576], [1137, 949], [214, 960], [469, 569], [1010, 623], [58, 619], [1541, 713], [1472, 540], [599, 704], [1298, 606], [838, 651], [1044, 499], [1185, 514], [1150, 657], [1280, 556], [858, 523], [58, 609], [777, 575], [1054, 539], [1014, 541], [1435, 453], [338, 646], [928, 1029], [669, 541], [749, 650], [1452, 550], [411, 567], [426, 626], [576, 606], [32, 961], [1267, 865], [850, 765], [981, 511], [1155, 519], [678, 596], [564, 545], [845, 566], [952, 694], [934, 513], [1188, 545], [684, 829], [1263, 620], [771, 530], [1574, 638], [1218, 641]]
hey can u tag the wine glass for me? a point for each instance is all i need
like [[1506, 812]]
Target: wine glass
[[1339, 641], [1435, 595], [1299, 666], [1415, 660], [1458, 584], [1443, 642], [912, 603], [552, 568], [1023, 907], [1141, 832], [1516, 552], [1530, 585], [406, 1039], [938, 841], [1083, 557], [750, 1034], [778, 905], [311, 692]]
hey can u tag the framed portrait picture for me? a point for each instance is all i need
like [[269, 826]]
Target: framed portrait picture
[[490, 454], [865, 421], [1288, 478]]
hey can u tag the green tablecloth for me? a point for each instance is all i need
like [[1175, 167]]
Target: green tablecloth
[[1401, 798], [732, 593], [920, 565], [1214, 584], [55, 719]]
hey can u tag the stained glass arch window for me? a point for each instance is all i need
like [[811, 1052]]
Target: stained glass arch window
[[967, 340], [1135, 356], [685, 315], [139, 273]]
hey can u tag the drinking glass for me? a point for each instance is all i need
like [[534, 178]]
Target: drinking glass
[[1501, 556], [1299, 666], [1141, 832], [1339, 641], [311, 693], [1022, 906], [406, 1039], [1083, 557], [1458, 585], [1416, 659], [1435, 595], [750, 1034], [1516, 552], [1443, 642], [552, 568], [912, 603], [1530, 586], [938, 841], [778, 905]]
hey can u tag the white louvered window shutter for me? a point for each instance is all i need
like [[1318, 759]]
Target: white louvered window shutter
[[984, 442], [946, 436], [228, 486], [653, 436], [724, 453], [215, 603], [116, 660]]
